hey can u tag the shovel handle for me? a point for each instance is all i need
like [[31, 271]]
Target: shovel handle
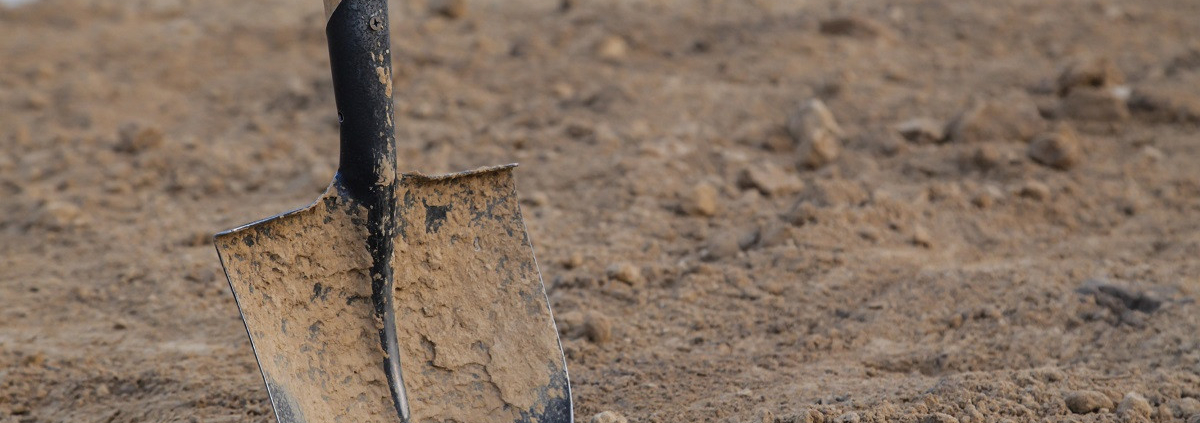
[[360, 56], [361, 59]]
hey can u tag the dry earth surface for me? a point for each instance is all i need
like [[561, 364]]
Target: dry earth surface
[[1001, 226]]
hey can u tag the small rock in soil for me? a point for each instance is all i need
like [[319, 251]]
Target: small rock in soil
[[1097, 72], [723, 244], [984, 157], [1195, 418], [1120, 298], [850, 417], [574, 261], [985, 198], [701, 200], [1084, 402], [60, 215], [835, 192], [822, 150], [612, 48], [854, 26], [1096, 104], [769, 180], [1035, 190], [625, 272], [766, 416], [597, 328], [801, 213], [133, 138], [1012, 117], [1133, 406], [36, 101], [609, 417], [771, 234], [1059, 149], [452, 9], [748, 238], [1184, 407], [939, 418], [817, 134], [537, 199], [922, 130], [806, 416]]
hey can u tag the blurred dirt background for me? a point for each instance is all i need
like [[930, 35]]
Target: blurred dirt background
[[745, 211]]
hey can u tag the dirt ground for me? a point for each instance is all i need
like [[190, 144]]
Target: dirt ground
[[1007, 232]]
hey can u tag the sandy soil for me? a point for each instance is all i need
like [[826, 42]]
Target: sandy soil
[[708, 257]]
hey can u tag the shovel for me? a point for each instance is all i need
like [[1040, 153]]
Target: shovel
[[396, 298]]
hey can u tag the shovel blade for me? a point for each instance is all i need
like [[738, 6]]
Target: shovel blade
[[301, 284], [476, 336], [477, 340]]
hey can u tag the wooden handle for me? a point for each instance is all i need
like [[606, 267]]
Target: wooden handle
[[330, 6]]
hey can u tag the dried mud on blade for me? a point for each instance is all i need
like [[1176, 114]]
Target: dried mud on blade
[[476, 339]]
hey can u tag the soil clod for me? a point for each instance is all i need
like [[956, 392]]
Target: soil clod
[[769, 180], [1095, 72], [817, 134], [597, 328], [1084, 402], [1134, 407], [922, 130], [1120, 298], [1011, 117], [609, 417], [701, 200], [625, 272], [939, 418], [1059, 149]]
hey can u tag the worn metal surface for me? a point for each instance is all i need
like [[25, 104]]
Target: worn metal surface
[[476, 336], [302, 285], [475, 330]]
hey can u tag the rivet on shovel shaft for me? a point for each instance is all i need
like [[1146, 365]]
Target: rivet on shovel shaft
[[376, 24]]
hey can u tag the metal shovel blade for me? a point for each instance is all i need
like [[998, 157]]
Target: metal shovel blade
[[476, 339]]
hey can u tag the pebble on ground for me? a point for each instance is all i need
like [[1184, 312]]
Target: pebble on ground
[[817, 134], [1094, 72], [625, 272], [609, 417], [1010, 117], [597, 328], [1134, 406], [922, 130], [1059, 149], [769, 179], [1084, 402], [701, 200]]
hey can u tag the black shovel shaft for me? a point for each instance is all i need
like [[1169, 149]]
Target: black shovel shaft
[[361, 59]]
